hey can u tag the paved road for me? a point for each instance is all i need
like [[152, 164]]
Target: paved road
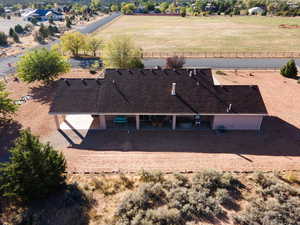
[[5, 69], [223, 63]]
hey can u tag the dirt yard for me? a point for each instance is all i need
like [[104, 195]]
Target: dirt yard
[[275, 147], [230, 34]]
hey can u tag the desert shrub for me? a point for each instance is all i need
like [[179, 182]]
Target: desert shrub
[[194, 204], [3, 39], [223, 197], [212, 180], [289, 69], [161, 216], [175, 62], [181, 180], [133, 208], [151, 176], [271, 186], [270, 212]]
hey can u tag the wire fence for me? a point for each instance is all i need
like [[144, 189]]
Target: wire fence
[[148, 54]]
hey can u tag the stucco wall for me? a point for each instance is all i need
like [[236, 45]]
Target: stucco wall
[[237, 122]]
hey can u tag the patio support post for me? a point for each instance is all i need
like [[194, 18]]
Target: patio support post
[[174, 122], [102, 121], [137, 121], [56, 122]]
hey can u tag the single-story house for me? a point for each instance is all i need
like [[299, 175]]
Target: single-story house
[[256, 11], [160, 98], [42, 15]]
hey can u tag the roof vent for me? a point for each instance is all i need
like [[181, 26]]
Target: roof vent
[[67, 82], [229, 108], [113, 81], [195, 72], [198, 83], [173, 92], [190, 73]]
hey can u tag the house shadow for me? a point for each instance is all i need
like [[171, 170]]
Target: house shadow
[[276, 138], [9, 131]]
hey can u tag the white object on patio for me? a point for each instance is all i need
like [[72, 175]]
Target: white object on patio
[[77, 122]]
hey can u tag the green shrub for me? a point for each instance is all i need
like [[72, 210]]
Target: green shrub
[[290, 69], [161, 216], [34, 171], [151, 176]]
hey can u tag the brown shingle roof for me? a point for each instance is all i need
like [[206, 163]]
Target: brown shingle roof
[[149, 91]]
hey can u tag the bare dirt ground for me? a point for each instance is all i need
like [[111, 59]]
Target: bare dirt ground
[[275, 147]]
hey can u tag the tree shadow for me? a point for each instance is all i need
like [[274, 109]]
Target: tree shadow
[[69, 206], [9, 131], [44, 93]]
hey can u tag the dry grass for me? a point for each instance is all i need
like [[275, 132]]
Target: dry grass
[[207, 34]]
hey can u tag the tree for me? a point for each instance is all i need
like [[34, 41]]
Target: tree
[[7, 106], [14, 35], [120, 52], [96, 5], [128, 8], [73, 42], [42, 65], [68, 22], [43, 31], [114, 8], [93, 44], [175, 62], [3, 39], [289, 69], [183, 11], [35, 170], [19, 29], [163, 7]]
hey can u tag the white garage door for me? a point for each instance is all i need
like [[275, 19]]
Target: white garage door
[[237, 122]]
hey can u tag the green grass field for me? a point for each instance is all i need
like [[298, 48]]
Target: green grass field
[[207, 34]]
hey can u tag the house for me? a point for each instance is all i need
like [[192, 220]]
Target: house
[[42, 15], [256, 11], [159, 99]]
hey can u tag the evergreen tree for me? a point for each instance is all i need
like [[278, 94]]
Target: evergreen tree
[[43, 31], [7, 105], [3, 39], [34, 171]]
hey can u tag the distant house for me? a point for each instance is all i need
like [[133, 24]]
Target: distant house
[[256, 11], [159, 99], [42, 15]]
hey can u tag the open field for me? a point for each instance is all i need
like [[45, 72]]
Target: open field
[[208, 34], [275, 147]]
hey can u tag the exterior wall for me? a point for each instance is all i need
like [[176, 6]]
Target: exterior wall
[[237, 122]]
